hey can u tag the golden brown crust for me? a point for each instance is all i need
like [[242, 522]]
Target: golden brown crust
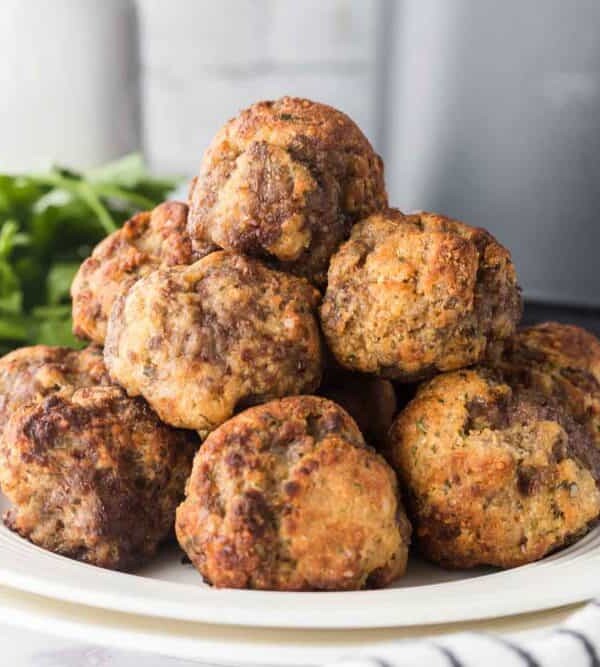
[[561, 361], [285, 181], [224, 333], [370, 401], [32, 373], [94, 475], [286, 496], [495, 475], [147, 241], [408, 296]]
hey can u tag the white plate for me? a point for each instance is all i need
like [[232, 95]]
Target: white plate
[[217, 644], [427, 595]]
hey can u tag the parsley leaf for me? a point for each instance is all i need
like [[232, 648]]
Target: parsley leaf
[[49, 223]]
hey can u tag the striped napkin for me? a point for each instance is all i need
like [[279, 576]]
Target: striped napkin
[[575, 643]]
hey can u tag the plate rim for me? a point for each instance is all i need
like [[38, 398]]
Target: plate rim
[[565, 577], [224, 644], [455, 601]]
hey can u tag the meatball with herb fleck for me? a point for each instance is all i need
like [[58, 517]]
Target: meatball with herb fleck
[[202, 341], [146, 242], [94, 475], [287, 496], [561, 361], [495, 475], [411, 295], [31, 373], [285, 181]]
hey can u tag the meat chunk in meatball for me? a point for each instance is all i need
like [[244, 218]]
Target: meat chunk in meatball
[[202, 341], [561, 361], [94, 475], [409, 296], [371, 402], [285, 181], [495, 475], [149, 240], [32, 373], [287, 496]]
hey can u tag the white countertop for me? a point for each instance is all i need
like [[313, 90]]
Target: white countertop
[[24, 648]]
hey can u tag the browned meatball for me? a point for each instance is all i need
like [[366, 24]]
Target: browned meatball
[[495, 475], [412, 295], [31, 373], [371, 401], [285, 181], [149, 240], [201, 341], [287, 496], [94, 475], [563, 362]]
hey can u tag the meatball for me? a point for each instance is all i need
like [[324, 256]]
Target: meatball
[[144, 243], [495, 475], [94, 475], [561, 361], [412, 295], [201, 341], [32, 373], [287, 496], [371, 401], [285, 181]]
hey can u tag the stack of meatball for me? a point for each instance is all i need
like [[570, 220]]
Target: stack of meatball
[[249, 352]]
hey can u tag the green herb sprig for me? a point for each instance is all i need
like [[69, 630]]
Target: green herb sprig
[[49, 223]]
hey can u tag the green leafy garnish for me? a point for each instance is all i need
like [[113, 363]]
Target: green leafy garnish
[[49, 223], [420, 424]]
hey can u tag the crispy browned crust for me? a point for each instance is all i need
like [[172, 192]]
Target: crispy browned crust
[[32, 373], [146, 242], [94, 475], [561, 361], [409, 296], [495, 475], [286, 496], [371, 402], [285, 181], [201, 341]]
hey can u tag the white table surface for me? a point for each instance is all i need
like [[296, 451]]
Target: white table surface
[[20, 647]]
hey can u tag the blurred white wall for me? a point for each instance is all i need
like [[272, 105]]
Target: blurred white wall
[[201, 62], [487, 111], [68, 82], [494, 117]]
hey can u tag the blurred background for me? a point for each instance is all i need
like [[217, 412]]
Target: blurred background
[[483, 110]]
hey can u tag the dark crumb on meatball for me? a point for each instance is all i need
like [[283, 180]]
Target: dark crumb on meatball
[[32, 373], [495, 475], [287, 496], [371, 401], [412, 295], [203, 341], [94, 475], [562, 362], [285, 181], [149, 240]]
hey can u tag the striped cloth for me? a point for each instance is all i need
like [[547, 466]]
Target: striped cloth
[[575, 643]]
